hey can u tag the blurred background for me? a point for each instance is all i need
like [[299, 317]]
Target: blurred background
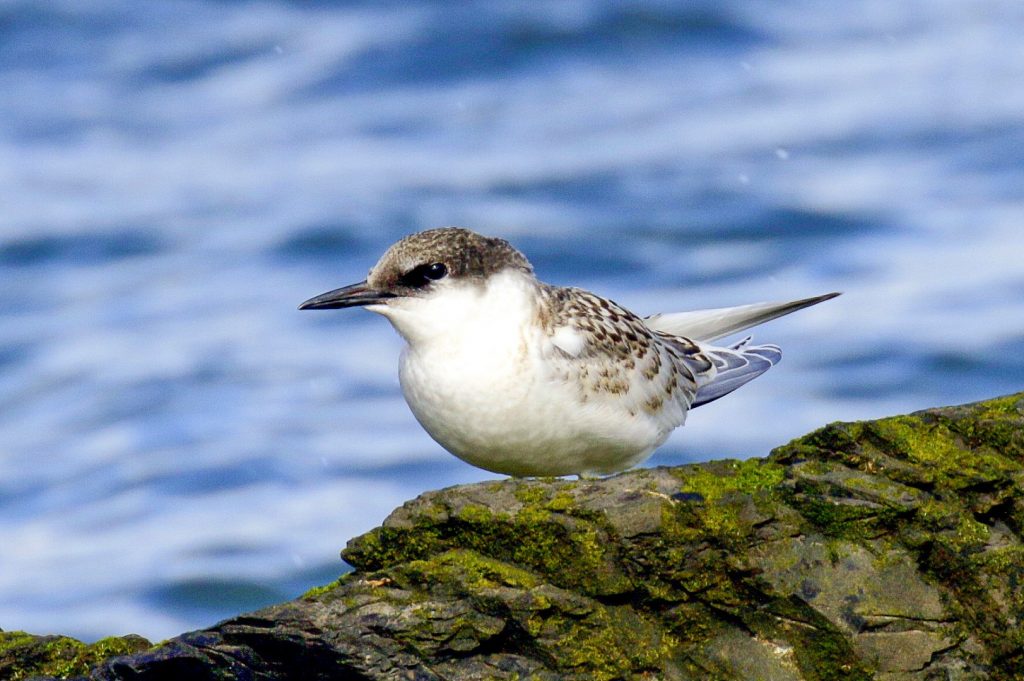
[[179, 444]]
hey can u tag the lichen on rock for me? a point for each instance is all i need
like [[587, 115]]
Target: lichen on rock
[[889, 549]]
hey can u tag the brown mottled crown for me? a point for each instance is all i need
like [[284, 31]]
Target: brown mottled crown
[[466, 254]]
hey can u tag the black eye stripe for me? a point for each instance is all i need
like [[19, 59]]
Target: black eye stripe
[[421, 275]]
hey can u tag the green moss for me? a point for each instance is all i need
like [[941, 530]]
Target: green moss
[[533, 514], [994, 423], [610, 643], [839, 519], [955, 448], [23, 656], [876, 488], [943, 459], [573, 552], [730, 490], [836, 441], [475, 513], [385, 546], [836, 550], [688, 559], [468, 570], [971, 534], [576, 635], [579, 557], [320, 591], [1004, 560], [722, 523], [714, 481], [10, 640], [943, 484], [691, 622], [562, 501], [530, 492], [964, 464]]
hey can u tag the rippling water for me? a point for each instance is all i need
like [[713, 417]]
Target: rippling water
[[178, 444]]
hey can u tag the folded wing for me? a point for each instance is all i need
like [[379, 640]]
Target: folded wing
[[736, 365]]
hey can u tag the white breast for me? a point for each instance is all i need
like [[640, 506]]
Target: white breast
[[476, 378]]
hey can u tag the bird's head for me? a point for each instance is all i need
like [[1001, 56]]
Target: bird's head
[[428, 278]]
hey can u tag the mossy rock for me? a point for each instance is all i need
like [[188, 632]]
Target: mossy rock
[[887, 550], [24, 656]]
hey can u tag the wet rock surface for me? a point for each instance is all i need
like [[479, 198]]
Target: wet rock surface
[[888, 550]]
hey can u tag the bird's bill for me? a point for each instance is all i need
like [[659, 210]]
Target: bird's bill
[[356, 295]]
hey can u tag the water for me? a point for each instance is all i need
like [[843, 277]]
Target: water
[[178, 443]]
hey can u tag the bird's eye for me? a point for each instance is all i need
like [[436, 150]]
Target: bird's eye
[[435, 271], [421, 275]]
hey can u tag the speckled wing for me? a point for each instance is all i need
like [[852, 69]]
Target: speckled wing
[[612, 355]]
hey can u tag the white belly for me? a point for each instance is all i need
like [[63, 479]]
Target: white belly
[[475, 377], [503, 411]]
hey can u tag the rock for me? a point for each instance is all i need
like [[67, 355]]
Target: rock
[[888, 550], [25, 656]]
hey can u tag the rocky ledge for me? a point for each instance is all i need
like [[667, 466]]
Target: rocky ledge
[[888, 549]]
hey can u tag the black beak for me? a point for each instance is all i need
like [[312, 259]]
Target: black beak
[[355, 295]]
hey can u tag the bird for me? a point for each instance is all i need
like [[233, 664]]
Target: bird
[[528, 379]]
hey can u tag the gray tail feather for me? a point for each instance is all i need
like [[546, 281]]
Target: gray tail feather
[[737, 365]]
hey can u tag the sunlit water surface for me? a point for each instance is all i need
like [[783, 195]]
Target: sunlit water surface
[[179, 444]]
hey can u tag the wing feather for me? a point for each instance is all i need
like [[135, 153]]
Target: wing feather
[[614, 357], [736, 366], [661, 364], [709, 325]]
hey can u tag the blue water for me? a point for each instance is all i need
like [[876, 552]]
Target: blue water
[[178, 443]]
